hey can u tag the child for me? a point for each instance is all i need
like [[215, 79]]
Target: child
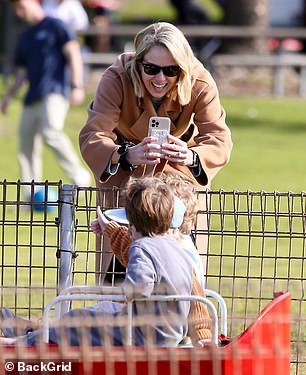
[[199, 320], [150, 208], [185, 190]]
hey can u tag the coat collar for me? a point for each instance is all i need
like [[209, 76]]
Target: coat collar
[[168, 108], [168, 105]]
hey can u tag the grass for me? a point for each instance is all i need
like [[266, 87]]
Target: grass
[[268, 151], [268, 137], [9, 141], [268, 155]]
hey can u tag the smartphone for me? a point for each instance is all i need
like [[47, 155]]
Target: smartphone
[[159, 127]]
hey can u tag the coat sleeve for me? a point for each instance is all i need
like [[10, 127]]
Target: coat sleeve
[[97, 137], [120, 241], [199, 321], [212, 141]]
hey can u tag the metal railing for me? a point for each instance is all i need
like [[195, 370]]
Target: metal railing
[[256, 245]]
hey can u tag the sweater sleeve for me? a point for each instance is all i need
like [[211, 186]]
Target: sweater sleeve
[[120, 241], [199, 321]]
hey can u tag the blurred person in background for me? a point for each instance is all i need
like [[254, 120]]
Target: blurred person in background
[[74, 16], [103, 12], [48, 58], [71, 12]]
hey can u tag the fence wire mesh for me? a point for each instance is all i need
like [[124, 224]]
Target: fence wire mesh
[[254, 244], [29, 243]]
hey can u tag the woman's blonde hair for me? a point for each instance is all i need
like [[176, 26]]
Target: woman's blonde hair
[[170, 37]]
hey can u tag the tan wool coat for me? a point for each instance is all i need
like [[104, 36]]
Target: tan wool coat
[[116, 114]]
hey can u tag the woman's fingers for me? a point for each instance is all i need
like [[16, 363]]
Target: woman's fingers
[[146, 152], [176, 141], [177, 151]]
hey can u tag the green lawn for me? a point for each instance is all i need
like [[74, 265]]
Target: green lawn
[[269, 142], [269, 145], [268, 155]]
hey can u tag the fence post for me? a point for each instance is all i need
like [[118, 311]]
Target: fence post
[[66, 251], [278, 82], [302, 90]]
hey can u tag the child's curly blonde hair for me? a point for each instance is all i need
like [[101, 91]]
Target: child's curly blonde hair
[[185, 190]]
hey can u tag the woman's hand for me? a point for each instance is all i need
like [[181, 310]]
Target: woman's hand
[[148, 151], [177, 151]]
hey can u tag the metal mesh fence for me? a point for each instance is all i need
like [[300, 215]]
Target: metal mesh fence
[[257, 246], [29, 235], [254, 245]]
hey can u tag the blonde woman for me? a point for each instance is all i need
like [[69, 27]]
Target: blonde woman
[[161, 78]]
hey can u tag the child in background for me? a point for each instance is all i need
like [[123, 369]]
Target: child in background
[[199, 320], [185, 190], [151, 208]]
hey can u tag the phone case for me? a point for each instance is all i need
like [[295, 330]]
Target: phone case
[[160, 127]]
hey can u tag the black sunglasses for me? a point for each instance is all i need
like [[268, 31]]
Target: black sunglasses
[[169, 71]]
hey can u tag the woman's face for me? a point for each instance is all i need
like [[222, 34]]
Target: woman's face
[[158, 85]]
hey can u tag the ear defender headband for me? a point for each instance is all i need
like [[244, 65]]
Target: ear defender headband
[[178, 213]]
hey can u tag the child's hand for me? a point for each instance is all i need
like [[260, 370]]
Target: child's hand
[[95, 227], [98, 225]]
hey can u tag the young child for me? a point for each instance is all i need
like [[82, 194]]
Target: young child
[[120, 240], [185, 190], [151, 208]]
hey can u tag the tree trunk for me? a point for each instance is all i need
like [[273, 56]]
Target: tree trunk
[[246, 13]]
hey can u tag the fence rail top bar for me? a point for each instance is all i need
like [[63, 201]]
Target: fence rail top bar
[[205, 31]]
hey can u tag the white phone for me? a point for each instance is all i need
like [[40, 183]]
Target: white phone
[[160, 127]]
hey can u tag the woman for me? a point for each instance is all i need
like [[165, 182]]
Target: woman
[[161, 78]]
